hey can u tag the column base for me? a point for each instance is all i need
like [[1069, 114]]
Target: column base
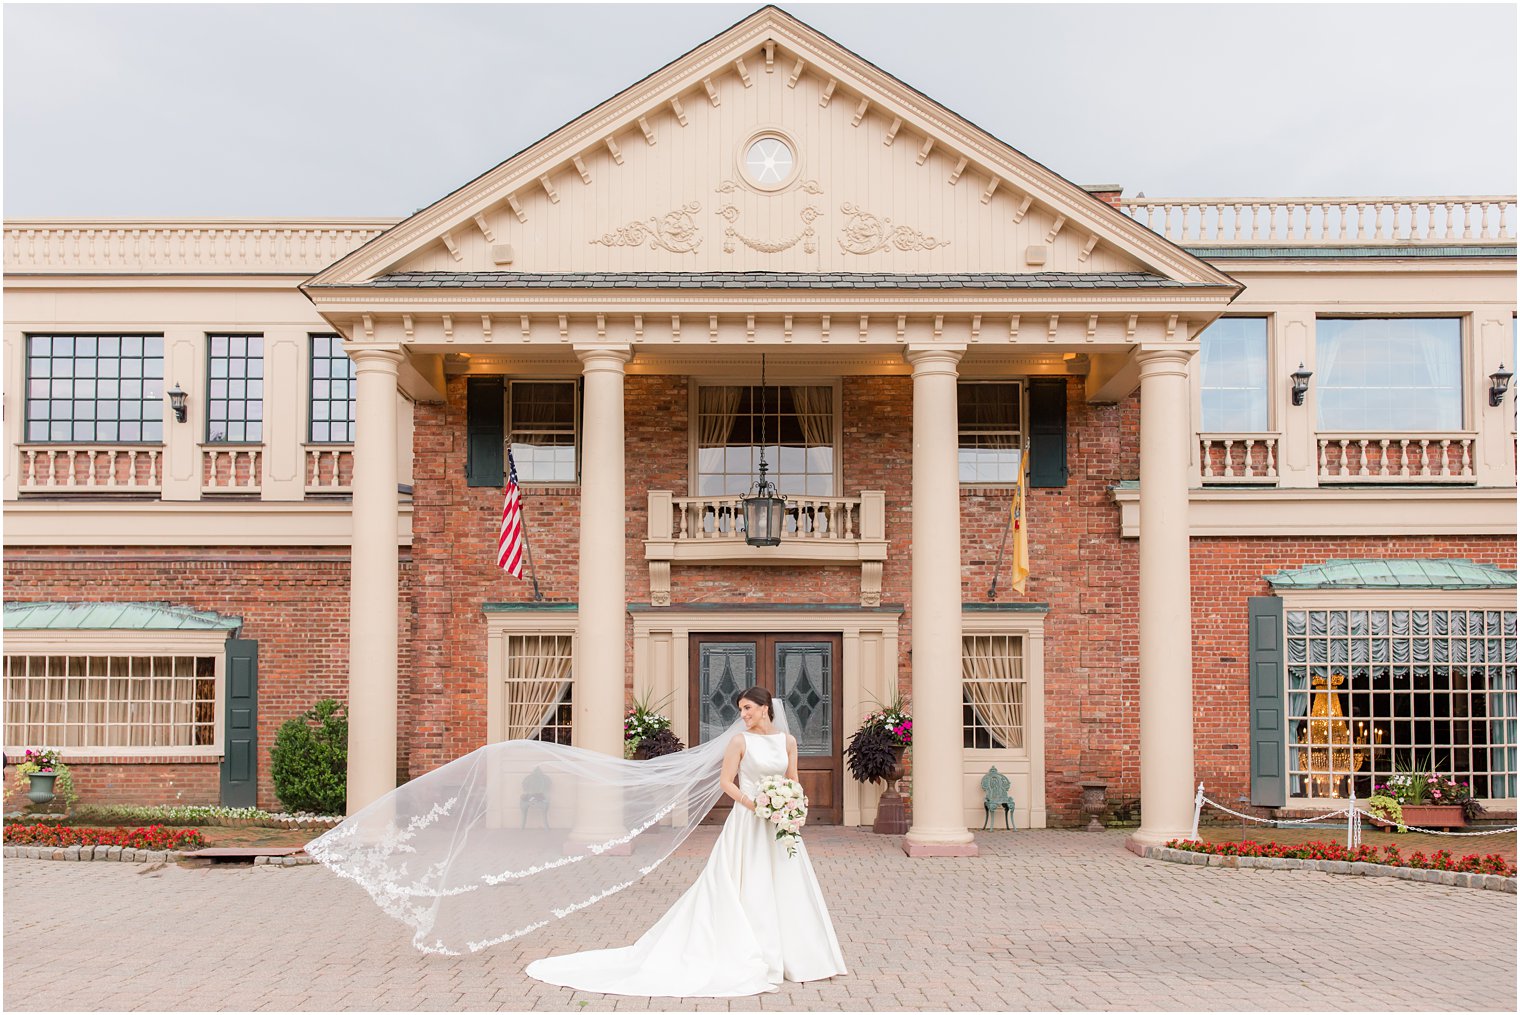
[[943, 844], [1155, 837]]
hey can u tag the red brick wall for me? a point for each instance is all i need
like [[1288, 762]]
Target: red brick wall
[[294, 602]]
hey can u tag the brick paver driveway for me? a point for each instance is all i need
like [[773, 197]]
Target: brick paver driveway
[[1050, 920]]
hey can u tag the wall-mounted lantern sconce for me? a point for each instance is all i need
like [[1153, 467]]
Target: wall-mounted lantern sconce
[[1498, 384], [1300, 383], [177, 401]]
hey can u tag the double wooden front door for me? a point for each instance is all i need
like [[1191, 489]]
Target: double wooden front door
[[800, 669]]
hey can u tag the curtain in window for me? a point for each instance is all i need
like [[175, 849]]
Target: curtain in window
[[815, 414], [717, 407], [992, 674], [1442, 365], [538, 671]]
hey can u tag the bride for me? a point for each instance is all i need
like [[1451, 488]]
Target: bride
[[515, 834], [754, 917]]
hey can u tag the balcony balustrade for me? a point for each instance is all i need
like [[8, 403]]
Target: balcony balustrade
[[1326, 221], [91, 468]]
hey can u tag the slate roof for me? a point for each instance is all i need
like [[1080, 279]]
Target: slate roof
[[1372, 573], [767, 280], [114, 617]]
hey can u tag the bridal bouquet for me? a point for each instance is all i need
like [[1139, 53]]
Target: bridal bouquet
[[781, 802]]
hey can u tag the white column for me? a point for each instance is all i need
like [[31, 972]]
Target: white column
[[602, 595], [373, 596], [1166, 621], [939, 821], [14, 379]]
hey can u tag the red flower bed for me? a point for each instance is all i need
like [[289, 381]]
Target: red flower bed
[[1441, 860], [155, 837]]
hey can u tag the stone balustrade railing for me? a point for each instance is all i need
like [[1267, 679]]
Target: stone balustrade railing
[[232, 468], [1238, 457], [1383, 458], [1326, 221], [170, 246], [91, 468], [329, 468], [810, 518]]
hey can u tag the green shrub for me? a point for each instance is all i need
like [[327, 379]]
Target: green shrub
[[310, 760]]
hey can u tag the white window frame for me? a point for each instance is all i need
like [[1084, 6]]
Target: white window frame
[[131, 644], [1372, 599], [693, 431], [1022, 383], [579, 428], [1269, 320], [500, 629], [1466, 403]]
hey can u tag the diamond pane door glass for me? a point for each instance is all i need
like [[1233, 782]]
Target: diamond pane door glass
[[805, 685], [727, 668]]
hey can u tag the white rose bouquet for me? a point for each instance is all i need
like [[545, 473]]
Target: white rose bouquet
[[781, 802]]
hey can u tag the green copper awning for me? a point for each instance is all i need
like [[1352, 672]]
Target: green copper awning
[[114, 617], [1374, 573]]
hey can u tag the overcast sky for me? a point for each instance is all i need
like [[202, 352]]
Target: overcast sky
[[191, 110]]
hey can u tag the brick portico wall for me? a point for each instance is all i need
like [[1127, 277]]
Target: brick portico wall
[[293, 602]]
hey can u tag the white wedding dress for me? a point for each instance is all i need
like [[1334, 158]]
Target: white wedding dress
[[754, 917]]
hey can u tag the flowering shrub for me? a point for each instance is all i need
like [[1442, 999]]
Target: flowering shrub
[[155, 837], [1443, 859], [781, 802]]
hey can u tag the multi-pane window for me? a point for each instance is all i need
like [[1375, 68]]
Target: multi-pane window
[[536, 687], [1371, 691], [993, 686], [1233, 364], [991, 438], [541, 430], [93, 701], [1388, 375], [95, 388], [235, 389], [332, 392], [794, 423]]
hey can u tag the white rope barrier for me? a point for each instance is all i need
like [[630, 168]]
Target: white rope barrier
[[1352, 813]]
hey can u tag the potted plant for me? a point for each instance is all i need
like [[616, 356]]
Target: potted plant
[[646, 731], [875, 754], [1426, 799], [40, 768]]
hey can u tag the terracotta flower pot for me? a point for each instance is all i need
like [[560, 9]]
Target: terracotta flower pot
[[891, 817]]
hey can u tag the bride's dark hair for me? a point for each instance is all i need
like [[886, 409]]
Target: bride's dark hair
[[758, 695]]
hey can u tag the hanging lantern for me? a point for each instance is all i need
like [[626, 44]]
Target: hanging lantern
[[764, 506]]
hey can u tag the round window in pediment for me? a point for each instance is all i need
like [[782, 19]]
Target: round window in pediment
[[769, 161]]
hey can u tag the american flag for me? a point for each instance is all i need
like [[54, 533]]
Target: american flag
[[509, 545]]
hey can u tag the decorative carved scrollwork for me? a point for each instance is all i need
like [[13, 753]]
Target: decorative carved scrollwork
[[807, 237], [675, 231], [864, 233]]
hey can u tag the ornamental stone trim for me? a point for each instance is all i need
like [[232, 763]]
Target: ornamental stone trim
[[1454, 879]]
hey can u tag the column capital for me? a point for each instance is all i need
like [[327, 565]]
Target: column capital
[[930, 359], [374, 355], [603, 356], [1164, 360]]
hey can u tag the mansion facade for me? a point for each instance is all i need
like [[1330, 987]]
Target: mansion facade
[[1269, 447]]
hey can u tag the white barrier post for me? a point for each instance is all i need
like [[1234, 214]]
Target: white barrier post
[[1353, 825], [1197, 808]]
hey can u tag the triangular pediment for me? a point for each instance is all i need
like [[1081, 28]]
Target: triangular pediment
[[869, 176]]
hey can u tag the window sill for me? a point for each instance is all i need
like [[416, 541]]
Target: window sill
[[16, 757]]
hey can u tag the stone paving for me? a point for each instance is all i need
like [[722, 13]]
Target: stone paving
[[1048, 920]]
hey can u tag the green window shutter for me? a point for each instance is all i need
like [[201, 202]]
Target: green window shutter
[[1269, 721], [485, 436], [240, 765], [1047, 431]]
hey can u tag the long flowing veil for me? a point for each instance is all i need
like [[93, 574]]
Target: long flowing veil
[[498, 843]]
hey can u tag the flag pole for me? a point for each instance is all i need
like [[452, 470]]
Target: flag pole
[[998, 570], [538, 596]]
